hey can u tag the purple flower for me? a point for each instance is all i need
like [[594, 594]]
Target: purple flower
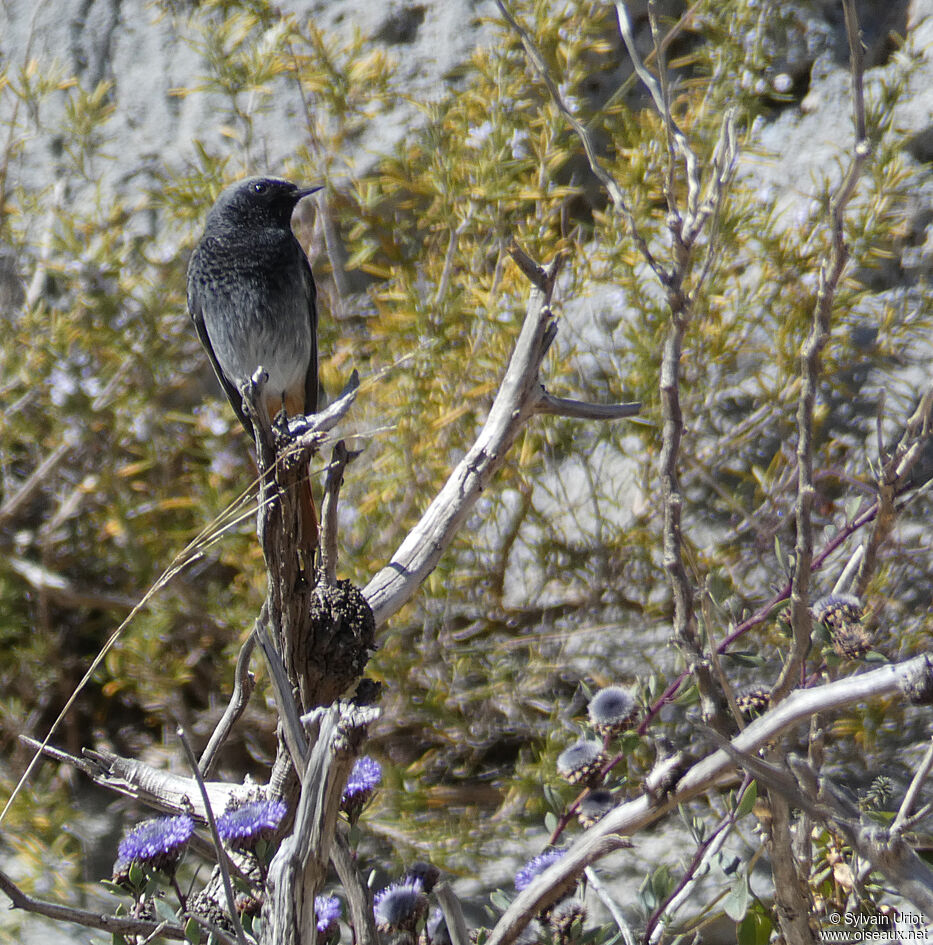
[[363, 781], [535, 867], [327, 911], [158, 843], [399, 907], [241, 828]]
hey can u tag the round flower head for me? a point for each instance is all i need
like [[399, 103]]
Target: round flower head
[[612, 710], [534, 867], [158, 843], [753, 699], [247, 905], [562, 917], [363, 781], [399, 907], [327, 912], [594, 807], [837, 610], [852, 641], [580, 761], [842, 614], [242, 827]]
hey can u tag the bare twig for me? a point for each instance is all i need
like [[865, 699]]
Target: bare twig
[[592, 877], [359, 896], [517, 400], [115, 924], [830, 274], [243, 685], [294, 735], [552, 884], [894, 472], [444, 282], [602, 175], [719, 766], [453, 914], [664, 914], [913, 792], [888, 853], [160, 790], [233, 915], [341, 457], [766, 609], [791, 894], [578, 409], [35, 481], [300, 865]]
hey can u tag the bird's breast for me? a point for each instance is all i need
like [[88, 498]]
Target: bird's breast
[[258, 311]]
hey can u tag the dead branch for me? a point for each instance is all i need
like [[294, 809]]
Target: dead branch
[[359, 895], [898, 680], [520, 396], [299, 866], [831, 271], [243, 684], [115, 924]]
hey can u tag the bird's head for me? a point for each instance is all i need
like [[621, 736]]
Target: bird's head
[[257, 202]]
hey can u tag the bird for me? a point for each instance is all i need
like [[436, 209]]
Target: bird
[[252, 298]]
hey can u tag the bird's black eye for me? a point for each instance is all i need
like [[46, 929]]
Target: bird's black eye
[[260, 187]]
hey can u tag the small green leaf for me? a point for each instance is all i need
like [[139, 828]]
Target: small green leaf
[[164, 910], [748, 801], [136, 874], [736, 903], [499, 899], [754, 929], [193, 932]]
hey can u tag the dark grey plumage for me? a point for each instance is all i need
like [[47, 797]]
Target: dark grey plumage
[[252, 297]]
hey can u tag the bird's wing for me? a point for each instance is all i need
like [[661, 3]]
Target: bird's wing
[[312, 382], [195, 310]]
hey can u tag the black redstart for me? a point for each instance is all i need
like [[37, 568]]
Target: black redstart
[[252, 298]]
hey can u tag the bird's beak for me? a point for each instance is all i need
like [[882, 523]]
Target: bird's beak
[[308, 191]]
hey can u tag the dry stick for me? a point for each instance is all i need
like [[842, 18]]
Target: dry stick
[[684, 228], [35, 481], [602, 175], [894, 471], [611, 905], [913, 792], [243, 685], [212, 826], [763, 612], [359, 895], [295, 739], [115, 924], [655, 802], [453, 914], [299, 867], [792, 897], [887, 853], [519, 397], [661, 918], [341, 457], [830, 273]]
